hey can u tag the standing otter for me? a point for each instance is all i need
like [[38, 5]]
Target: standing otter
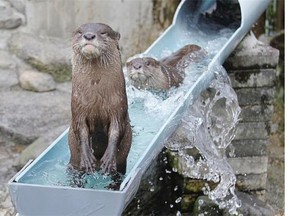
[[100, 133], [148, 73]]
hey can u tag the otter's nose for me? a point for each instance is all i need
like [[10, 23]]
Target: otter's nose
[[89, 36], [137, 66]]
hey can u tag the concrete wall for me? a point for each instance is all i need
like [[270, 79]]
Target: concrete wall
[[139, 22]]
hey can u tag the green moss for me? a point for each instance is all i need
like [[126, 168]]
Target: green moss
[[60, 72], [197, 185], [205, 206], [188, 201]]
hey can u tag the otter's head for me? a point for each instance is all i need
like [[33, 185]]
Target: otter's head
[[142, 72], [146, 73], [94, 40]]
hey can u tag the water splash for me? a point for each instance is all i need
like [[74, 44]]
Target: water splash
[[210, 125]]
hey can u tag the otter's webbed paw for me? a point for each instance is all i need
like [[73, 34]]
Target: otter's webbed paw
[[88, 162], [108, 163]]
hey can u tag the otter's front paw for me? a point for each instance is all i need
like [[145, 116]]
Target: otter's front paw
[[108, 163], [88, 163]]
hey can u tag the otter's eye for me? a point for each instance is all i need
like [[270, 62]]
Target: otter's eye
[[147, 63], [78, 33], [103, 33]]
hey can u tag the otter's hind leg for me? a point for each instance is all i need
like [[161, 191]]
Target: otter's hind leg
[[82, 158], [123, 150], [87, 158], [74, 162]]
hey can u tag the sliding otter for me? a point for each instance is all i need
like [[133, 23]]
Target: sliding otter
[[148, 73], [100, 133]]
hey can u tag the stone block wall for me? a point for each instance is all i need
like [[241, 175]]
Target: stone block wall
[[252, 70]]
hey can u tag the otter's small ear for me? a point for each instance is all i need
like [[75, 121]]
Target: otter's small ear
[[74, 32], [128, 63], [116, 35]]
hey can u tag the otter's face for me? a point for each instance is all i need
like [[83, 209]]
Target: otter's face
[[140, 70], [92, 40]]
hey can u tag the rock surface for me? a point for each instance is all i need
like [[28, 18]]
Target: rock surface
[[8, 161], [40, 144], [8, 79], [9, 18], [46, 55], [19, 5], [204, 206], [6, 60], [26, 115], [35, 81], [253, 206], [250, 206], [260, 55]]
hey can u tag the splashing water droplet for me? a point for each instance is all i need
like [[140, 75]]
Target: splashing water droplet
[[178, 213], [174, 169], [210, 125], [178, 200], [201, 202], [168, 171]]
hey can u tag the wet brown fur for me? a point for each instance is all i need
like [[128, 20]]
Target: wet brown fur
[[163, 74], [100, 133]]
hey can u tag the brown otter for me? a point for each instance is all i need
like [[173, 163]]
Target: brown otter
[[148, 73], [100, 132]]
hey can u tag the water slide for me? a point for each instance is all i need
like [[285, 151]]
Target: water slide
[[39, 188]]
